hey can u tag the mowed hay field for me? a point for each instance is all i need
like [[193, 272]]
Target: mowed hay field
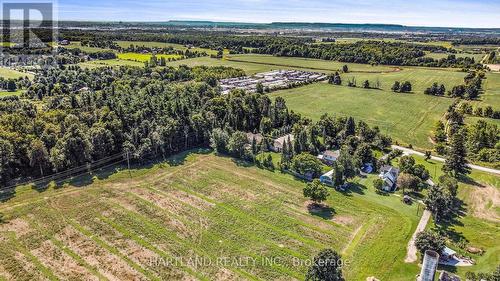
[[250, 224], [407, 118]]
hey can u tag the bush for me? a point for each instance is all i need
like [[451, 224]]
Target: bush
[[428, 240]]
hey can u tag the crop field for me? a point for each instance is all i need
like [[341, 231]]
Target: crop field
[[407, 118], [144, 57], [155, 223]]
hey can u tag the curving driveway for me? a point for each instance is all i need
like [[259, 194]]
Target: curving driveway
[[440, 159]]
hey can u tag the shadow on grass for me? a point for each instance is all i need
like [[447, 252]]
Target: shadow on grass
[[320, 210], [353, 187], [6, 195], [448, 268], [447, 226], [468, 180]]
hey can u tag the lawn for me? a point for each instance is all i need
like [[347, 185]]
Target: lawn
[[407, 118], [206, 207]]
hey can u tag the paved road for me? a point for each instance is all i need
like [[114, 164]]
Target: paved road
[[411, 254], [440, 159]]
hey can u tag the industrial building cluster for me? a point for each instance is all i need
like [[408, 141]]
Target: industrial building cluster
[[273, 80]]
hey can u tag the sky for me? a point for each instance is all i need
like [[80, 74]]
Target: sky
[[446, 13]]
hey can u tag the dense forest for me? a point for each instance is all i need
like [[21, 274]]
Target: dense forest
[[371, 52], [73, 116]]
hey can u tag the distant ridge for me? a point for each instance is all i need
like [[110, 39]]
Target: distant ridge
[[328, 26]]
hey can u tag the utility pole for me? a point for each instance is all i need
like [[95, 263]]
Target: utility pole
[[128, 165]]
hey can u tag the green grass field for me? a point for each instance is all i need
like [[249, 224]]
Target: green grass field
[[206, 207], [7, 94], [13, 74], [126, 44], [481, 224], [477, 57], [407, 118], [144, 57], [78, 45]]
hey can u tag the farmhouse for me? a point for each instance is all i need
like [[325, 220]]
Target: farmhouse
[[279, 142], [329, 156], [389, 175]]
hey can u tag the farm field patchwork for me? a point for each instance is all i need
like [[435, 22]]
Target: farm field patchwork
[[407, 118], [208, 206], [420, 77]]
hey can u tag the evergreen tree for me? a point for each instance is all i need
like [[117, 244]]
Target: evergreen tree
[[456, 156]]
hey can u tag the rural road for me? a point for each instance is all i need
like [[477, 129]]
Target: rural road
[[411, 254], [440, 159]]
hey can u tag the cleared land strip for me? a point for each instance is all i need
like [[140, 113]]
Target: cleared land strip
[[440, 159]]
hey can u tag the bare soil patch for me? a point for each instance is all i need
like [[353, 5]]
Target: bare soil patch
[[484, 203], [60, 263], [109, 265], [19, 226]]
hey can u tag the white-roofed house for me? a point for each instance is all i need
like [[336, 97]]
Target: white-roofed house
[[389, 175]]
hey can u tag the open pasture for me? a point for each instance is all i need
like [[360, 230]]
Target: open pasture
[[202, 207], [78, 45], [407, 118], [126, 44]]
